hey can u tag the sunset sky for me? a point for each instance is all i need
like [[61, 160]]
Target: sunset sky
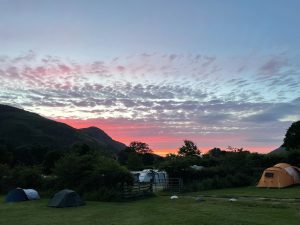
[[219, 73]]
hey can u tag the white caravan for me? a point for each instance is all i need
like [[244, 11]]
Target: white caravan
[[154, 176]]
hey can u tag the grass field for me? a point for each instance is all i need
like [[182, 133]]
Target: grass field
[[281, 208], [291, 192]]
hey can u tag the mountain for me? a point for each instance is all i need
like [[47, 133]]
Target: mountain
[[280, 150], [21, 128], [99, 134]]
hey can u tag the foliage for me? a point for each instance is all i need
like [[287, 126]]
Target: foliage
[[90, 173], [6, 156], [50, 159], [139, 147], [292, 136], [189, 149], [137, 156], [4, 170], [294, 158], [134, 162], [216, 152], [27, 177], [20, 176], [233, 168]]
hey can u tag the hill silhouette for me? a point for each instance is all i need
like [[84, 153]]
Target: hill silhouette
[[103, 137], [20, 128]]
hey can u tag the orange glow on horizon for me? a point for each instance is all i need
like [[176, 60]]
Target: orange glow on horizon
[[122, 132], [262, 150]]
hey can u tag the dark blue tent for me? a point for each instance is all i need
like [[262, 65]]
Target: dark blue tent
[[16, 195]]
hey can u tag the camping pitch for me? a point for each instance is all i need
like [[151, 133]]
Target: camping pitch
[[279, 176], [65, 198], [19, 194]]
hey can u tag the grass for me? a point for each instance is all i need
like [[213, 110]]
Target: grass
[[163, 211], [290, 192]]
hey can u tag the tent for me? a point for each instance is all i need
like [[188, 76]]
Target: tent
[[19, 194], [65, 198], [279, 176], [31, 194]]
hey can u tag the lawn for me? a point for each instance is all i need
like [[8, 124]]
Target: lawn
[[162, 210], [285, 193]]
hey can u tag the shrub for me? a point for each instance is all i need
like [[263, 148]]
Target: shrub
[[94, 176], [24, 177]]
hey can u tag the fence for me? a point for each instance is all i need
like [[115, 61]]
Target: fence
[[137, 190], [172, 185], [142, 189]]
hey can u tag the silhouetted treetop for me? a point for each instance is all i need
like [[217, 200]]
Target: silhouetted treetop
[[189, 149], [292, 136]]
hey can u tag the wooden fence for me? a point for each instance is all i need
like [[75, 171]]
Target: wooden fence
[[137, 190]]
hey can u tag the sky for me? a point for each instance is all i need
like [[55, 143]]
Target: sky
[[219, 73]]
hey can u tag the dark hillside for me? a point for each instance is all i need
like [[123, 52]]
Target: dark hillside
[[20, 129]]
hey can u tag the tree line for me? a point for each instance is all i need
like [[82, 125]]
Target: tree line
[[101, 177]]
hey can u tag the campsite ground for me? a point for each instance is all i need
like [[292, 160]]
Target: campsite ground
[[253, 206]]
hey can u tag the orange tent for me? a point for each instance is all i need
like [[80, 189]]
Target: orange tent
[[279, 176]]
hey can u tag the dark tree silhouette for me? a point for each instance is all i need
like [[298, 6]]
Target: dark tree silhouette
[[215, 152], [189, 149], [134, 162], [292, 137], [140, 147]]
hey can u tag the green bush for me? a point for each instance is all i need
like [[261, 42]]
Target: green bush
[[4, 173], [227, 169], [94, 176], [24, 177]]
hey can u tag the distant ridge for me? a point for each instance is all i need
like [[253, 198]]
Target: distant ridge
[[100, 135], [21, 129], [280, 150]]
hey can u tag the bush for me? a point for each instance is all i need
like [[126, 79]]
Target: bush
[[4, 173], [49, 185], [94, 176], [27, 177], [227, 169], [22, 176]]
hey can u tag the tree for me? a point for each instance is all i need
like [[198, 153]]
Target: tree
[[81, 148], [6, 156], [235, 149], [26, 177], [136, 151], [215, 152], [189, 149], [50, 159], [134, 162], [294, 157], [292, 136], [171, 156], [140, 147], [90, 173]]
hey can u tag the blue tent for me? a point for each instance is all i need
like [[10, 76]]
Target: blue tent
[[16, 195], [19, 194]]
